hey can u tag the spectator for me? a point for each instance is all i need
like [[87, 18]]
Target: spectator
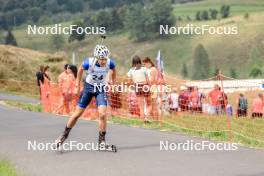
[[165, 107], [46, 72], [223, 101], [74, 70], [229, 110], [184, 99], [257, 106], [242, 106], [174, 100], [40, 78], [153, 75], [72, 96], [138, 75], [66, 80], [196, 100], [213, 98], [46, 90], [46, 80]]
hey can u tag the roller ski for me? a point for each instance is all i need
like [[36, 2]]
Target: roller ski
[[107, 147], [103, 146], [62, 137]]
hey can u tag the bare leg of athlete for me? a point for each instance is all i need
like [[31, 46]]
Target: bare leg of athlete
[[71, 122], [75, 116], [102, 123]]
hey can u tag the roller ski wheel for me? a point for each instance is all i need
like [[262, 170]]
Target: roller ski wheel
[[60, 141], [107, 147]]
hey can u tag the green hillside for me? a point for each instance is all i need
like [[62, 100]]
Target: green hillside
[[241, 52], [238, 7]]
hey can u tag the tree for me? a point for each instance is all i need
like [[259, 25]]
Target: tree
[[9, 20], [10, 39], [19, 17], [9, 5], [233, 73], [35, 14], [184, 71], [116, 19], [159, 13], [96, 4], [112, 19], [246, 16], [103, 18], [213, 13], [77, 34], [255, 72], [52, 6], [216, 71], [75, 6], [89, 19], [137, 22], [225, 11], [205, 15], [201, 63], [3, 22], [57, 41], [198, 16], [143, 21]]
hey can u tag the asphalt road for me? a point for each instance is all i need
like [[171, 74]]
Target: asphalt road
[[7, 96], [138, 153]]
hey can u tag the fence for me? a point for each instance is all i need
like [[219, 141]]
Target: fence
[[188, 119]]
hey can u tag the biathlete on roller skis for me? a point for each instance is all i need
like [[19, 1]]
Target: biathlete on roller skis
[[97, 68]]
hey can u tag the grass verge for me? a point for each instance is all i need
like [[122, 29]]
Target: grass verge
[[249, 133], [6, 169], [25, 106]]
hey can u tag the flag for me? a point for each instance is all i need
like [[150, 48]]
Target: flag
[[160, 66]]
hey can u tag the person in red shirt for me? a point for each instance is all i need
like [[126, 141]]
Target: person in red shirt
[[184, 98], [65, 80], [257, 106], [196, 100], [223, 101], [213, 98]]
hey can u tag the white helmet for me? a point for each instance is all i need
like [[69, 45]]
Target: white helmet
[[101, 51]]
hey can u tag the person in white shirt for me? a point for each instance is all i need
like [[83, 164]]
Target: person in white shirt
[[153, 75], [138, 76], [174, 100]]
